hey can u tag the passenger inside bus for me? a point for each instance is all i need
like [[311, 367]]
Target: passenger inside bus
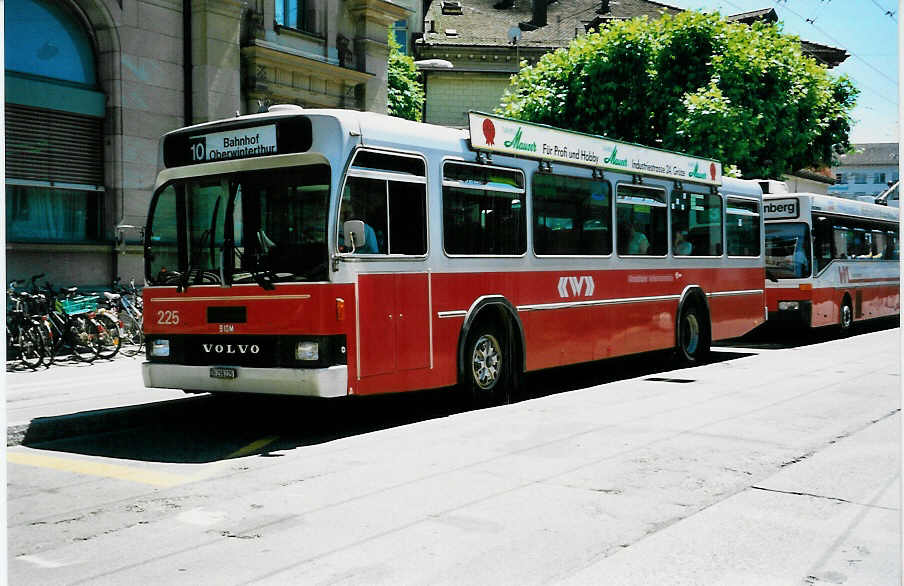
[[370, 237], [681, 246], [638, 243]]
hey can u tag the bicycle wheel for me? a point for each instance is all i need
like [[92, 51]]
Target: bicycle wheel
[[82, 338], [47, 341], [132, 336], [31, 345], [109, 338]]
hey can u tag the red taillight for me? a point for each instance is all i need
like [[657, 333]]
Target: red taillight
[[340, 309]]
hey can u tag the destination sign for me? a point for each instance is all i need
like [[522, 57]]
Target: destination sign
[[781, 209], [256, 141], [524, 139], [237, 139]]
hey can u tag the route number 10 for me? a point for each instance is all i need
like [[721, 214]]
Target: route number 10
[[197, 147]]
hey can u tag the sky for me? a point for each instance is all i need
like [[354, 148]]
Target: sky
[[863, 29]]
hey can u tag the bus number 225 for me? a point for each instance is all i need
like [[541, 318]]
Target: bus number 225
[[169, 317]]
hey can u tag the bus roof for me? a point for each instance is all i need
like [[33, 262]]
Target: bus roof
[[745, 187], [830, 204], [380, 130]]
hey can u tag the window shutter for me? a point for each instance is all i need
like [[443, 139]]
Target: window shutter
[[49, 145]]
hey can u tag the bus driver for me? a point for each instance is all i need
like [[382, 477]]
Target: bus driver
[[370, 237]]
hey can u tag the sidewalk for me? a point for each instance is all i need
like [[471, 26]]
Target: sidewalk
[[73, 389], [831, 518]]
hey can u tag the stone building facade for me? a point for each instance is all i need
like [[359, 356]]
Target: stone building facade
[[92, 85]]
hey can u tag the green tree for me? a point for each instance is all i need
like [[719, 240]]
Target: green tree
[[406, 94], [696, 83]]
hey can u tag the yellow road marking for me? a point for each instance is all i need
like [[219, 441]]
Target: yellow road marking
[[102, 469], [252, 447]]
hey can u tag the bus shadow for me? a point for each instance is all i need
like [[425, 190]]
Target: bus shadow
[[772, 337], [206, 428], [571, 378]]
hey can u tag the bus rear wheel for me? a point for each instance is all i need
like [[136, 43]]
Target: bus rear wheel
[[692, 335], [488, 376], [846, 318]]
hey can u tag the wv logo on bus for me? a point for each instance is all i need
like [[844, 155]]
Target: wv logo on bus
[[844, 274], [576, 286]]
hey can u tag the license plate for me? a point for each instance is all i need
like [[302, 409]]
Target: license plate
[[221, 372]]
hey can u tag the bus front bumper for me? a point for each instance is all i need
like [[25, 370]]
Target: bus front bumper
[[792, 313], [331, 381]]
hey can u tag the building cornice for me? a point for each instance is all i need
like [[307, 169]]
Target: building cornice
[[377, 10], [262, 55]]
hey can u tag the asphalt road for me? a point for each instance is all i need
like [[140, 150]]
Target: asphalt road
[[777, 463]]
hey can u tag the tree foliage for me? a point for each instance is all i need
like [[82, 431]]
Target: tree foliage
[[694, 83], [405, 93]]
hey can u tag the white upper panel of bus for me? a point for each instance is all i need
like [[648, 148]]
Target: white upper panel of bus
[[817, 202]]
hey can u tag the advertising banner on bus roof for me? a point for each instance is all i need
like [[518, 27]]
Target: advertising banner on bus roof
[[524, 139]]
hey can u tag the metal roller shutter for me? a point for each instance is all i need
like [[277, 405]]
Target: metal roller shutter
[[49, 145]]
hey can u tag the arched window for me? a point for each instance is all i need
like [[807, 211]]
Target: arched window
[[45, 39], [54, 125]]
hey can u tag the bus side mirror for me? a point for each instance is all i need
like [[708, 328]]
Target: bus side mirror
[[353, 232]]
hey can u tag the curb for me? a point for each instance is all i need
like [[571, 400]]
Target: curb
[[48, 429]]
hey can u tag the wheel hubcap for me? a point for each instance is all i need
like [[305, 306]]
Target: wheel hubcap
[[846, 316], [691, 335], [486, 362]]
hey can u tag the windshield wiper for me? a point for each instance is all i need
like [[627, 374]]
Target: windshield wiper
[[264, 277], [770, 275], [185, 278]]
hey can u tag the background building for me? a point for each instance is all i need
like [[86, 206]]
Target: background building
[[92, 85], [866, 171], [479, 38]]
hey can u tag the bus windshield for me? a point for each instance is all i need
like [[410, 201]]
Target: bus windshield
[[247, 227], [788, 250]]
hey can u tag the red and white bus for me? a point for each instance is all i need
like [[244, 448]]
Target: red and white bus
[[333, 253], [830, 261]]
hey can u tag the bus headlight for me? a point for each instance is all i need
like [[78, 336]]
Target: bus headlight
[[307, 351], [788, 305], [160, 348]]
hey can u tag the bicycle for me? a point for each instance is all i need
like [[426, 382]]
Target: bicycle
[[126, 302], [71, 325], [24, 337]]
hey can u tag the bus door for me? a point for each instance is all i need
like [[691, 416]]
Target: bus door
[[393, 327], [387, 192]]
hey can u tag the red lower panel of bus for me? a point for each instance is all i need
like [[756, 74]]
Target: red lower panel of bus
[[868, 301], [404, 329]]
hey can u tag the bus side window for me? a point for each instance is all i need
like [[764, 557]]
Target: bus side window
[[742, 227], [388, 192], [407, 218], [877, 246], [483, 210], [696, 224], [572, 215], [891, 249], [641, 219], [843, 238], [364, 199], [822, 243]]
